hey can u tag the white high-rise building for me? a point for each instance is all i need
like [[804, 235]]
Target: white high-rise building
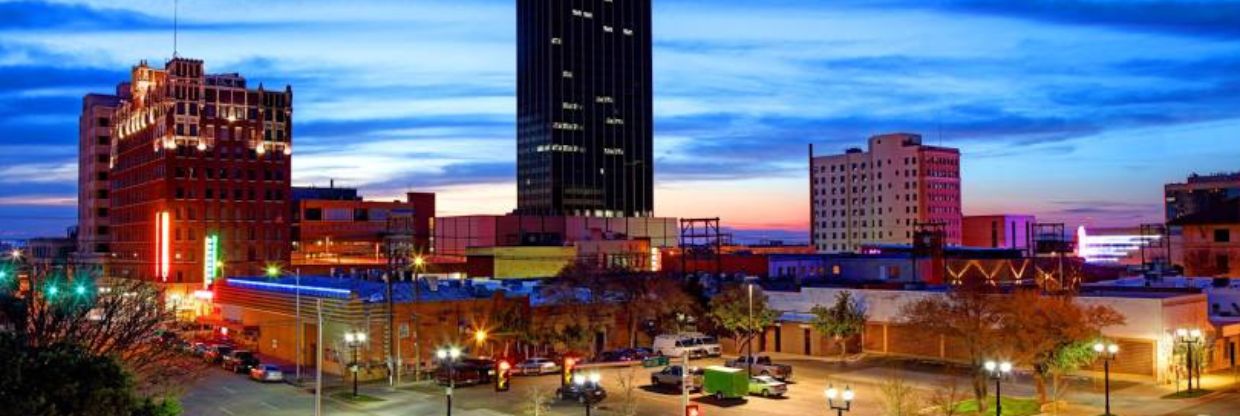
[[878, 196]]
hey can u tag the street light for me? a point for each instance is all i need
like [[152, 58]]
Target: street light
[[272, 270], [580, 381], [1107, 352], [1189, 337], [418, 263], [449, 355], [838, 402], [354, 340], [997, 371], [16, 254]]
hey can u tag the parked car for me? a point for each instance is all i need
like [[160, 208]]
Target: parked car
[[466, 372], [725, 382], [673, 376], [198, 349], [239, 361], [537, 366], [767, 386], [581, 393], [215, 353], [676, 346], [762, 365], [266, 372]]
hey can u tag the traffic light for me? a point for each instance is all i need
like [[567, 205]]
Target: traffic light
[[566, 376], [693, 410], [503, 372]]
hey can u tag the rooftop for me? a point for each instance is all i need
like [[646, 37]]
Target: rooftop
[[374, 291]]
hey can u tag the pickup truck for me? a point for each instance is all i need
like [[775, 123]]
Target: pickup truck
[[673, 376], [762, 365]]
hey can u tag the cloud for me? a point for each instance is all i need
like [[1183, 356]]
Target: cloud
[[39, 173], [1200, 18]]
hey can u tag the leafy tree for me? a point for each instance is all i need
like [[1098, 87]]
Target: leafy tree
[[67, 379], [730, 311], [1051, 333], [969, 313], [644, 296], [899, 398], [841, 321]]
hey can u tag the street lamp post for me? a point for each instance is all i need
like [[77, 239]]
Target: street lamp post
[[1107, 352], [1189, 337], [749, 344], [449, 355], [839, 402], [354, 341], [418, 262], [997, 371]]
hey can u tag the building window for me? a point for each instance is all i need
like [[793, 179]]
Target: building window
[[1222, 235]]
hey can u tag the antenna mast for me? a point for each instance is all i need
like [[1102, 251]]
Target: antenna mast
[[175, 24]]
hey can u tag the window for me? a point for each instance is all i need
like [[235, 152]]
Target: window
[[1222, 235]]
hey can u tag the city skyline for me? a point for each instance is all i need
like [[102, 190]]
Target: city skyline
[[1042, 106]]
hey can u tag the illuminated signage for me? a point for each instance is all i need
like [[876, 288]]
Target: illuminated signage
[[162, 245], [210, 258]]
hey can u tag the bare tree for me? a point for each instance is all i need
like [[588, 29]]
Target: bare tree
[[628, 391], [899, 398], [537, 402], [120, 318], [946, 397]]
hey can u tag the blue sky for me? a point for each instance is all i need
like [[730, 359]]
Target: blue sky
[[1076, 111]]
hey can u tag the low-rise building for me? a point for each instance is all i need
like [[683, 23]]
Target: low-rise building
[[335, 228], [1145, 338], [1209, 241], [997, 231]]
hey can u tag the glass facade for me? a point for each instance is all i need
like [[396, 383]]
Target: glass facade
[[584, 111]]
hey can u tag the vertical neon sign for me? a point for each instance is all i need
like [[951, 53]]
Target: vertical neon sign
[[210, 258], [162, 223]]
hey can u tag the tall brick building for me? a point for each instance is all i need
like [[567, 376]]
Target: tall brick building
[[199, 177], [880, 195], [94, 168]]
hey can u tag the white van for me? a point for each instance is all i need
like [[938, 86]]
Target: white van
[[677, 346]]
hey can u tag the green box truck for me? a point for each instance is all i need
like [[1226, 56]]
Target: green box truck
[[725, 382]]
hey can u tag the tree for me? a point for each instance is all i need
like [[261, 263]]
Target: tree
[[969, 313], [120, 320], [66, 379], [645, 296], [899, 399], [537, 402], [945, 399], [1051, 334], [730, 311], [628, 391], [841, 321]]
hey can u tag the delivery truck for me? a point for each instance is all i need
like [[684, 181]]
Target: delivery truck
[[725, 382]]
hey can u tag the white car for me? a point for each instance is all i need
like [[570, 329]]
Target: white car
[[536, 366], [266, 372]]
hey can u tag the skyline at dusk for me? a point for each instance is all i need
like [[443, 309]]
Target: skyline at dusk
[[1076, 113]]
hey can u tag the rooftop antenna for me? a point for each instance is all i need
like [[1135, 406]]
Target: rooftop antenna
[[175, 24]]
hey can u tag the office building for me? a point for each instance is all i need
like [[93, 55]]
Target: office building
[[1200, 193], [584, 109], [1209, 241], [199, 177], [884, 194], [94, 165]]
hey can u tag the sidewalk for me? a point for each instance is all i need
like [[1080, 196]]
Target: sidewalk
[[1130, 396]]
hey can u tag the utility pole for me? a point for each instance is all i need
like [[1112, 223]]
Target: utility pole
[[300, 329], [391, 326], [318, 363]]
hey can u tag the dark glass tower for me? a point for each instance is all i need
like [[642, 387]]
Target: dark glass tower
[[584, 111]]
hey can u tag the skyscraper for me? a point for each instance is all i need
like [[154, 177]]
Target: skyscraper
[[584, 111], [199, 176], [881, 195], [94, 168]]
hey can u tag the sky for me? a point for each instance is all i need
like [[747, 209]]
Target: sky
[[1075, 111]]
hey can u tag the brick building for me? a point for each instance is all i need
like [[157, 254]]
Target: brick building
[[199, 178], [94, 170], [881, 195], [336, 227]]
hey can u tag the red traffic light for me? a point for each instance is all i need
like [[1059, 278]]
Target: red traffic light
[[693, 410]]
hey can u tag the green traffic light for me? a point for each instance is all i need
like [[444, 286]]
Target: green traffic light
[[52, 291], [80, 290]]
